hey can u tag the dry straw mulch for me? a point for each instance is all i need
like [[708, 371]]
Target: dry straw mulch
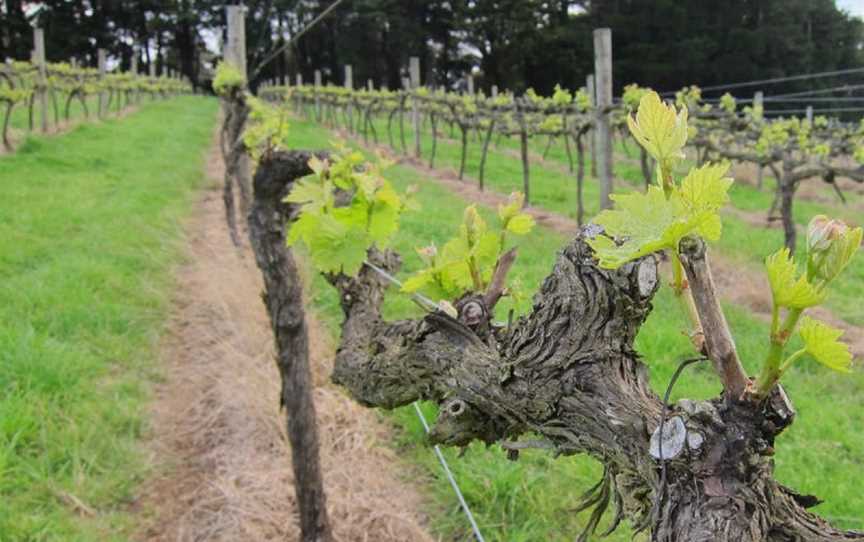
[[222, 467]]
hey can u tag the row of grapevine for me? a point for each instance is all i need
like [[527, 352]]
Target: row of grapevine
[[51, 89], [793, 149]]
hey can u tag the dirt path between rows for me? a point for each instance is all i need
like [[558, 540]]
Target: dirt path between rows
[[736, 281], [221, 460]]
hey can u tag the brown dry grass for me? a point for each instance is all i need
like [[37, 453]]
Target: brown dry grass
[[222, 468]]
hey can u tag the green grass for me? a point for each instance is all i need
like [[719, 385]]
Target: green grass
[[20, 121], [89, 230], [532, 499]]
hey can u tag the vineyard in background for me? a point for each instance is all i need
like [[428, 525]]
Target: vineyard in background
[[793, 150], [45, 95]]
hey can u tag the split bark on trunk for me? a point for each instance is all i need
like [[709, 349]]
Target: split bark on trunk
[[568, 373], [283, 297], [237, 169]]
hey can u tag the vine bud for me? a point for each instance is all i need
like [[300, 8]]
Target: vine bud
[[830, 246]]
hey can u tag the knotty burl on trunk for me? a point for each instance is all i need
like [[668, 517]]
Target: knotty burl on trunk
[[567, 372]]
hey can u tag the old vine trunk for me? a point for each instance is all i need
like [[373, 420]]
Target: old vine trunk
[[568, 373], [283, 297]]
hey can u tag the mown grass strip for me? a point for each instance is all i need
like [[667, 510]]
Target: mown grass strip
[[532, 499], [89, 231]]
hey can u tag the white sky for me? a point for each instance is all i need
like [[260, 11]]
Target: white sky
[[855, 7]]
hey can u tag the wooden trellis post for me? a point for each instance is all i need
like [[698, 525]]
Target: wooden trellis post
[[603, 83], [39, 57], [151, 69], [592, 147], [414, 71], [760, 170], [317, 96], [349, 84], [102, 55], [235, 48]]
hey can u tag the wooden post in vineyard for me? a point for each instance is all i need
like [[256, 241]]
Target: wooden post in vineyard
[[299, 80], [494, 91], [134, 61], [235, 47], [237, 167], [151, 67], [470, 85], [810, 115], [592, 147], [603, 83], [760, 170], [102, 57], [317, 97], [414, 70], [349, 84], [370, 85], [349, 77], [39, 50]]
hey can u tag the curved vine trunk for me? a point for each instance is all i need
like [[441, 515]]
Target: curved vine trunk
[[283, 297], [236, 163], [644, 165], [6, 142], [464, 153], [434, 140], [402, 125], [390, 128], [548, 146], [485, 151], [568, 373], [580, 180], [567, 145], [786, 188]]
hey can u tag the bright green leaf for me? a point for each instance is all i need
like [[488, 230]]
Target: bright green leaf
[[520, 224], [647, 222], [820, 341], [787, 291]]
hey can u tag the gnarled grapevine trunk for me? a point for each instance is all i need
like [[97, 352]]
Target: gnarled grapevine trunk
[[568, 373], [236, 160], [283, 297]]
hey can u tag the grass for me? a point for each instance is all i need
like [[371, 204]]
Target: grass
[[532, 499], [20, 120], [89, 230]]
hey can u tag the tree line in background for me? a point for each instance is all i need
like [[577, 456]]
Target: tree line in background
[[516, 44]]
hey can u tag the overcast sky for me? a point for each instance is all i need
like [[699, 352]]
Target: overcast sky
[[855, 7]]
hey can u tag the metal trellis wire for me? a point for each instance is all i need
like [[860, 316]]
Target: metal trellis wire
[[427, 303]]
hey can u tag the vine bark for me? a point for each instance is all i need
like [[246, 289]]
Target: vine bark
[[568, 373]]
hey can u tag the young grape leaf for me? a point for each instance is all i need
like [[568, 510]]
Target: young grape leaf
[[787, 291], [520, 224], [706, 187], [659, 128], [647, 222], [820, 341], [336, 248], [311, 193]]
